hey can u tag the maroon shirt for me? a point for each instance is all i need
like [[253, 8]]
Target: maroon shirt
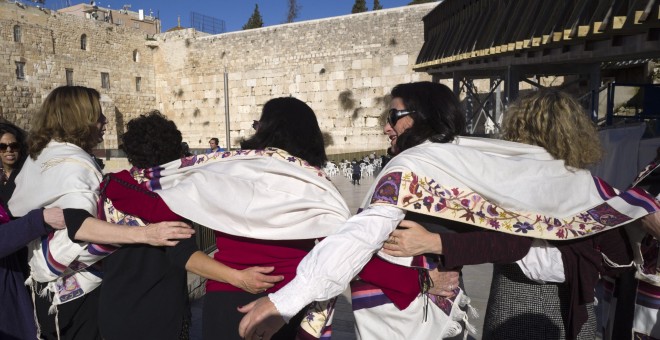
[[242, 252]]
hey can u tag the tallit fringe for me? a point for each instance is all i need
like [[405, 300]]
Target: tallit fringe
[[465, 302], [650, 278], [616, 265], [32, 284], [452, 329]]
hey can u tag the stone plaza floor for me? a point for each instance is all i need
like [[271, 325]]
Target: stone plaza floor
[[475, 278]]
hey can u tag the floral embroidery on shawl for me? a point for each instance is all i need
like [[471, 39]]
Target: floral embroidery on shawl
[[416, 193]]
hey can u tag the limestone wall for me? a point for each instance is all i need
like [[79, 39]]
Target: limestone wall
[[356, 57], [50, 44]]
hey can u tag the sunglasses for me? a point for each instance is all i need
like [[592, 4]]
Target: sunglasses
[[14, 146], [255, 124], [395, 115]]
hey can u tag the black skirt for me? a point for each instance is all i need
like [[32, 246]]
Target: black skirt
[[220, 318]]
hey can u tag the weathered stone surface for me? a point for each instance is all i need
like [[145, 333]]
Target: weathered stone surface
[[181, 72]]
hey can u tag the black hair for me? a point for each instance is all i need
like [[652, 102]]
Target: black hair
[[289, 124], [216, 140], [21, 138], [436, 112], [151, 140]]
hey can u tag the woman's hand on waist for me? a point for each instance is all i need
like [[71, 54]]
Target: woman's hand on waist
[[255, 279]]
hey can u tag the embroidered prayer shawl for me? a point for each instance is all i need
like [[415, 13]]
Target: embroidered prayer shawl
[[507, 187], [493, 184], [261, 194], [63, 176]]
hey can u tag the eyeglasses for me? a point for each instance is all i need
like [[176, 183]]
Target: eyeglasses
[[14, 146], [255, 124], [395, 115]]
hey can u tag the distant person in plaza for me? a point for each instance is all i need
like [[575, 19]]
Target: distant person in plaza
[[444, 181], [213, 145], [185, 149], [357, 173]]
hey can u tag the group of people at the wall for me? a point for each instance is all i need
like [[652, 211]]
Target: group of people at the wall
[[87, 256]]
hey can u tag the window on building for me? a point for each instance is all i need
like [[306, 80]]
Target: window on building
[[83, 42], [17, 33], [138, 84], [20, 70], [105, 80], [69, 77], [136, 25], [136, 56]]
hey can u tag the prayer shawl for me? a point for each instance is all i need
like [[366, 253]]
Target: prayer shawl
[[493, 184], [646, 283], [261, 194], [63, 176]]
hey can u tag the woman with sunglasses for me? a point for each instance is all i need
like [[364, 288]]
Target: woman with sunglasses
[[444, 182], [13, 152]]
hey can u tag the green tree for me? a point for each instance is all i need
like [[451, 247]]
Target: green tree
[[359, 6], [377, 6], [255, 20]]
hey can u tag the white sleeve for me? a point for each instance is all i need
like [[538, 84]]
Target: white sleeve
[[543, 263], [328, 269]]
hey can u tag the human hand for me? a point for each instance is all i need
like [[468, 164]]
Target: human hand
[[165, 233], [651, 224], [254, 279], [54, 217], [413, 239], [261, 321], [445, 282]]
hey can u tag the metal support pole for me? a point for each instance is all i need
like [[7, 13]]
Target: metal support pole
[[512, 83], [594, 88], [227, 139]]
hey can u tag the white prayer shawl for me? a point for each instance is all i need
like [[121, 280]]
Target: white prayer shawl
[[63, 176], [261, 194], [471, 176]]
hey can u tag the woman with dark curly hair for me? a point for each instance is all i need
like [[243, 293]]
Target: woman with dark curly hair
[[146, 285], [267, 202]]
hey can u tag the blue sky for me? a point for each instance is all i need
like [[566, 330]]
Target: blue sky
[[235, 13]]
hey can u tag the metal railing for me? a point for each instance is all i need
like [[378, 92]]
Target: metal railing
[[205, 238]]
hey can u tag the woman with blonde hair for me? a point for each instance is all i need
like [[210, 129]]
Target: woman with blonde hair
[[557, 122], [555, 302], [60, 172]]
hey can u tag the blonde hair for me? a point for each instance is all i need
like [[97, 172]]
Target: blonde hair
[[557, 122], [68, 114]]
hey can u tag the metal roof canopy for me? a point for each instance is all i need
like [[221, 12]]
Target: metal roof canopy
[[511, 40]]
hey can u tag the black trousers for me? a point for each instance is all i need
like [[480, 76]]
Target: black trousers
[[220, 318], [77, 319]]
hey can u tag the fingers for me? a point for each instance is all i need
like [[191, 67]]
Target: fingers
[[247, 308], [410, 224], [270, 279], [264, 270], [169, 243]]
